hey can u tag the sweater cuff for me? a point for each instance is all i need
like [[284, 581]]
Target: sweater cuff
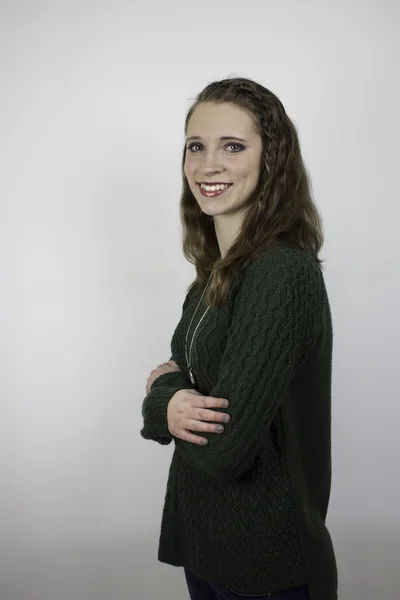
[[155, 405], [173, 379]]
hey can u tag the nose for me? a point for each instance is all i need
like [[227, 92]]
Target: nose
[[211, 163]]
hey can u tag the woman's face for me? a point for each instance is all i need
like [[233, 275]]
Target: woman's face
[[212, 160]]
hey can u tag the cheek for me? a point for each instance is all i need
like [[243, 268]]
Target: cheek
[[244, 171], [188, 169], [249, 170], [240, 164]]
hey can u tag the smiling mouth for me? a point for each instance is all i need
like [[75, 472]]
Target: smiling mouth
[[213, 193]]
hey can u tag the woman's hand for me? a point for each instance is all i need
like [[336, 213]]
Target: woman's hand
[[188, 411], [167, 367]]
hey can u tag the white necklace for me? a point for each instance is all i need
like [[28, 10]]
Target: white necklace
[[189, 360]]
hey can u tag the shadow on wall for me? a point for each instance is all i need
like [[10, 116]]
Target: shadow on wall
[[118, 569], [127, 569]]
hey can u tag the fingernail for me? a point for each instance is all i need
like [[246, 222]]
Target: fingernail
[[219, 428], [225, 404], [226, 418]]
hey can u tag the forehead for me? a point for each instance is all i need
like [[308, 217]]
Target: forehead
[[215, 120]]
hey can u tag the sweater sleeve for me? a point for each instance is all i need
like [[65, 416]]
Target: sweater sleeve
[[275, 323], [154, 407]]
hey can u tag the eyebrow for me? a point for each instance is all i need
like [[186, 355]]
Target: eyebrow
[[224, 137]]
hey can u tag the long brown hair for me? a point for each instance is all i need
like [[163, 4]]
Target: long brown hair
[[280, 212]]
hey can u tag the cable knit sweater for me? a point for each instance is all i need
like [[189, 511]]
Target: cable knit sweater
[[248, 509]]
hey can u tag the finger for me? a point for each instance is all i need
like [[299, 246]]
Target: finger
[[210, 402], [162, 370], [187, 436], [203, 414], [195, 425]]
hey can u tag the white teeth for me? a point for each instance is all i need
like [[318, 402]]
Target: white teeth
[[213, 188]]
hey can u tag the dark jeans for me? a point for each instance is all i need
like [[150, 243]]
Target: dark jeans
[[200, 589]]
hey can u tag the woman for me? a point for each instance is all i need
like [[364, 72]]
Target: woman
[[247, 398]]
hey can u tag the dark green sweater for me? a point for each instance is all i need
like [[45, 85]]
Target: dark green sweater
[[248, 509]]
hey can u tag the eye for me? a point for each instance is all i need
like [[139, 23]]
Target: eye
[[237, 146], [191, 146]]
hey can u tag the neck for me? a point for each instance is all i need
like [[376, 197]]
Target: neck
[[227, 229]]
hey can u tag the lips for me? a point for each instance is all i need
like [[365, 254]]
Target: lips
[[214, 183], [203, 191]]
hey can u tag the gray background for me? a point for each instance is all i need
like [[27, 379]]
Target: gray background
[[92, 104]]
